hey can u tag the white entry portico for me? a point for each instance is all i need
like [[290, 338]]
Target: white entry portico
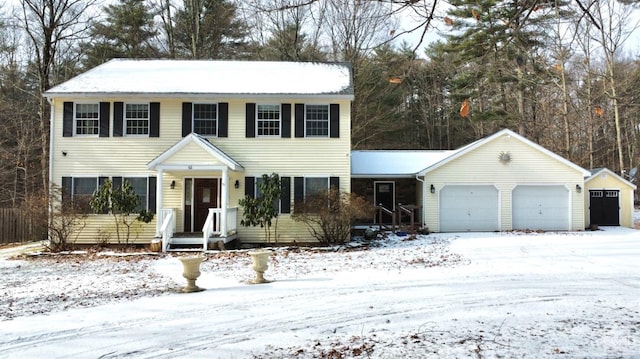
[[194, 157]]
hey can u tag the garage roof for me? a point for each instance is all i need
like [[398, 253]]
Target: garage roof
[[393, 163]]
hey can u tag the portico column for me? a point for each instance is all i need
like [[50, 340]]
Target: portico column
[[225, 201], [160, 214]]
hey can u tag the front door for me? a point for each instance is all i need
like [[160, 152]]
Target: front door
[[385, 196], [205, 196], [604, 207]]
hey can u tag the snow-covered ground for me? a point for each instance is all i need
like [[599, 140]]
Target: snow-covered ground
[[475, 295]]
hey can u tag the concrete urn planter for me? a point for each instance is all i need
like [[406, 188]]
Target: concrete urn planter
[[191, 271], [260, 260]]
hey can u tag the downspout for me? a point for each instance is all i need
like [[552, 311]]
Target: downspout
[[424, 201], [50, 199]]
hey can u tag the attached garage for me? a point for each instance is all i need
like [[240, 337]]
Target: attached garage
[[543, 207], [466, 208], [500, 183]]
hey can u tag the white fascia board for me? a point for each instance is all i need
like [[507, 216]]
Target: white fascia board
[[610, 173], [147, 95], [189, 167]]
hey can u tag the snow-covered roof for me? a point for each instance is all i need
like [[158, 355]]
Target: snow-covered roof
[[393, 163], [169, 78]]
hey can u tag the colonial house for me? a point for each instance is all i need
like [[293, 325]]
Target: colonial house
[[193, 138]]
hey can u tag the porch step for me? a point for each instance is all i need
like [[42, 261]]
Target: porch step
[[194, 243]]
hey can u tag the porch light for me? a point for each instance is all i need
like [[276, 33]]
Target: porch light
[[578, 188], [173, 184], [433, 189], [237, 184]]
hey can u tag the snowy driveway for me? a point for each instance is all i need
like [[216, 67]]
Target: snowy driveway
[[505, 295]]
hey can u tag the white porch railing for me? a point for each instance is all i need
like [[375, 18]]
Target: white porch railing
[[167, 226], [215, 225]]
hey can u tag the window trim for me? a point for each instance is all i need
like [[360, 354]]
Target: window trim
[[75, 119], [216, 120], [125, 119], [328, 120], [257, 120]]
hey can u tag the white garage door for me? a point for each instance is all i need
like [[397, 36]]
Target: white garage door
[[541, 208], [468, 208]]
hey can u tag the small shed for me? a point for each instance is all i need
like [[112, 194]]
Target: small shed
[[608, 199]]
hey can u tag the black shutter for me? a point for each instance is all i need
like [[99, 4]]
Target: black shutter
[[118, 114], [104, 119], [101, 181], [251, 120], [334, 120], [285, 198], [223, 119], [67, 119], [154, 119], [187, 107], [66, 191], [250, 187], [334, 182], [286, 120], [151, 195], [299, 120], [298, 193]]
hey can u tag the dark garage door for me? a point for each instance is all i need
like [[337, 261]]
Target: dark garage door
[[604, 207]]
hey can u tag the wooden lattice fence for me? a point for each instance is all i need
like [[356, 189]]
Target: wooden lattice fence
[[15, 226]]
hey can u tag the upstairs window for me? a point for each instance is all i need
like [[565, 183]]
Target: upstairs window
[[205, 119], [317, 121], [136, 116], [268, 120], [87, 119]]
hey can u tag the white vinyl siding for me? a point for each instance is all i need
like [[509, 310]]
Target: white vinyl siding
[[316, 121], [136, 119], [205, 119], [87, 119], [268, 120]]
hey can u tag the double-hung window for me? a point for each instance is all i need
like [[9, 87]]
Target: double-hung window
[[87, 118], [205, 119], [140, 187], [276, 202], [82, 191], [268, 120], [317, 120], [315, 186], [136, 116]]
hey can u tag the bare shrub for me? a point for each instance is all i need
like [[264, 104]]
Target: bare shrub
[[66, 221], [330, 215]]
